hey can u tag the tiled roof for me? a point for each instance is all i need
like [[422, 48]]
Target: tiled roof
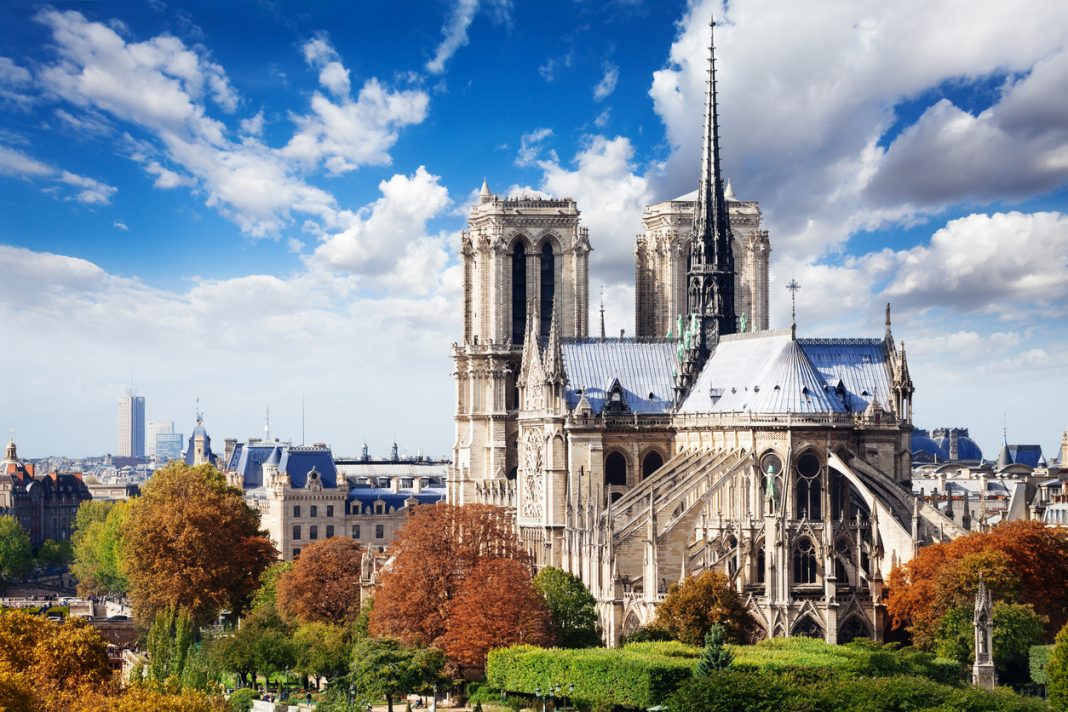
[[645, 370], [295, 460]]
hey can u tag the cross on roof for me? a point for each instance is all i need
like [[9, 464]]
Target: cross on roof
[[793, 286]]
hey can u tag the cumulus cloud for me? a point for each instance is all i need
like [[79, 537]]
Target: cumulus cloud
[[87, 191], [530, 146], [607, 85], [388, 238], [15, 82], [454, 34], [162, 87], [119, 225]]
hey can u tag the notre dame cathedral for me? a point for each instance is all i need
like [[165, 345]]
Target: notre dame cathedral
[[705, 442]]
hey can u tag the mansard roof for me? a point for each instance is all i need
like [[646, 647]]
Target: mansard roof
[[644, 368], [770, 372], [294, 460]]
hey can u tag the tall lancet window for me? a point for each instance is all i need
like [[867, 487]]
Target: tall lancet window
[[519, 292], [548, 287]]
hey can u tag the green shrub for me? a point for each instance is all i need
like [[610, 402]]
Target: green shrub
[[618, 676], [1037, 659], [646, 634], [241, 700]]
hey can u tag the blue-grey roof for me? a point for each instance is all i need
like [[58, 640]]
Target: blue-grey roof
[[294, 460], [645, 370], [1025, 454], [364, 498], [770, 372], [190, 455]]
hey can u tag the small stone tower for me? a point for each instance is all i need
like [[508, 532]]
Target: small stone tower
[[983, 673]]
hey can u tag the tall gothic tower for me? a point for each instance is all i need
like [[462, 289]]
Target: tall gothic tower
[[710, 291], [522, 258]]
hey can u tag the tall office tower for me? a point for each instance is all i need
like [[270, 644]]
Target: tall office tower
[[156, 428], [131, 426]]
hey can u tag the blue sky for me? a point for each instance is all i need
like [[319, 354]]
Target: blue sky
[[256, 203]]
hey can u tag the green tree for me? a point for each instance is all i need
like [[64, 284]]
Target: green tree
[[267, 593], [1057, 673], [98, 528], [1016, 628], [169, 642], [384, 667], [261, 644], [322, 650], [16, 554], [55, 553], [572, 608], [715, 656]]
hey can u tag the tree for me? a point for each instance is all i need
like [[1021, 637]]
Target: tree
[[261, 644], [169, 641], [1057, 672], [433, 554], [324, 583], [16, 554], [495, 607], [322, 650], [690, 608], [266, 595], [1016, 628], [192, 541], [55, 553], [572, 608], [71, 654], [98, 528], [715, 656], [384, 667], [1021, 562]]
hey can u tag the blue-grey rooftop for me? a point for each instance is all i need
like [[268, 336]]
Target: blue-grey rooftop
[[362, 498], [644, 369], [294, 460], [770, 372]]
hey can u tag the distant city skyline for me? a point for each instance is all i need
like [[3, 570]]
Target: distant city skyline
[[131, 426], [261, 207]]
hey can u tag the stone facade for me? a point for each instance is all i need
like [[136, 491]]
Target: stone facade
[[44, 506]]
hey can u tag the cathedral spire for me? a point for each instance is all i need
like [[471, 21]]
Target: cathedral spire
[[711, 269], [554, 352]]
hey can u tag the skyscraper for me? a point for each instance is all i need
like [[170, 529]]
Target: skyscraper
[[131, 426], [156, 428]]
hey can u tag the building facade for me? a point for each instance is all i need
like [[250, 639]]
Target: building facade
[[780, 461], [153, 431], [44, 506], [131, 426], [304, 496]]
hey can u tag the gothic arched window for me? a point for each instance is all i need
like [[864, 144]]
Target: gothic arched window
[[548, 287], [651, 463], [804, 562], [519, 292], [809, 489], [615, 469], [761, 562]]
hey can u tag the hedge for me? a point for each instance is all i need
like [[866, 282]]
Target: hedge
[[622, 676], [1037, 660], [827, 691]]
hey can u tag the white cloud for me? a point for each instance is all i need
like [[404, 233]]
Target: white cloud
[[607, 85], [15, 82], [307, 333], [530, 145], [119, 225], [253, 125], [160, 85], [390, 235], [87, 191], [454, 34], [552, 67]]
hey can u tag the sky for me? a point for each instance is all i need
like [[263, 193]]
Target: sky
[[250, 205]]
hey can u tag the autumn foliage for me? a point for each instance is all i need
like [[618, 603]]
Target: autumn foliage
[[323, 585], [191, 541], [690, 609], [496, 606], [1024, 562], [435, 553]]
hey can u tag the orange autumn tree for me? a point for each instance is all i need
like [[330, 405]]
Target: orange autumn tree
[[690, 609], [433, 554], [192, 541], [1023, 562], [496, 606], [323, 585]]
